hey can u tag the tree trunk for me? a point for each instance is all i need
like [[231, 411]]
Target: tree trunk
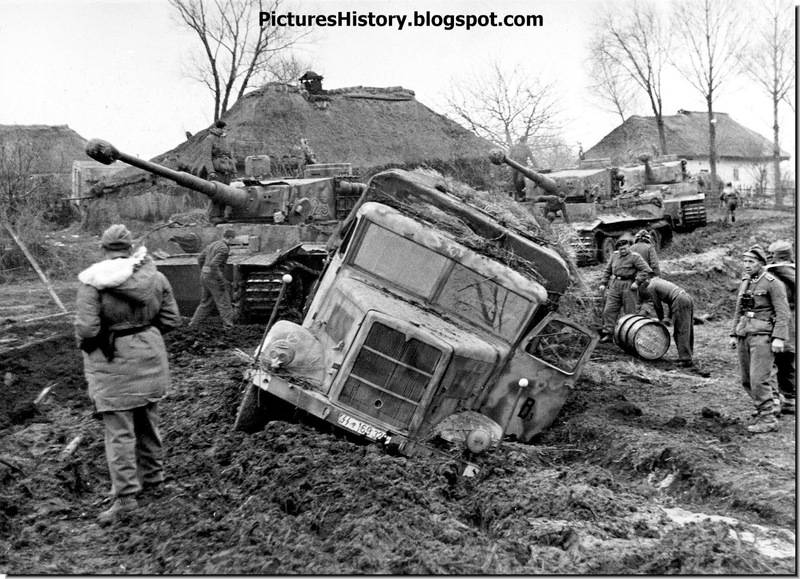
[[776, 156], [662, 137], [712, 146]]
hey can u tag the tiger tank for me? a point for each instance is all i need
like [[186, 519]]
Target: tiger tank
[[281, 226], [596, 209]]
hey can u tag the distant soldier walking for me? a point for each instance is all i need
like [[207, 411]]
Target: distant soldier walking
[[124, 305], [782, 266], [729, 201], [659, 292], [214, 287], [760, 329], [621, 275], [643, 245]]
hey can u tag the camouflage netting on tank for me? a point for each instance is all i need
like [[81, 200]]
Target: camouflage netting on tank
[[498, 206]]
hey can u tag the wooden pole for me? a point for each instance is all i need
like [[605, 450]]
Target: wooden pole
[[35, 266]]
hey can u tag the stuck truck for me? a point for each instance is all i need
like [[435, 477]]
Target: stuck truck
[[431, 330]]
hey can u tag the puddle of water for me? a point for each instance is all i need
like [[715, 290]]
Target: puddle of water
[[771, 542]]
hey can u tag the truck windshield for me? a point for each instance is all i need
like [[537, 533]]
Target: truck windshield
[[476, 298], [481, 300]]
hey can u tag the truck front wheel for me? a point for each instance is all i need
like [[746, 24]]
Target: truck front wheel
[[250, 417]]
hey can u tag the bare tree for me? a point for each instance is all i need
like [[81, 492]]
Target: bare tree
[[288, 68], [713, 33], [17, 183], [504, 107], [633, 42], [771, 62], [236, 51], [611, 84]]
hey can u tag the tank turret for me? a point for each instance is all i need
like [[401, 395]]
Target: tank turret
[[291, 201], [546, 183]]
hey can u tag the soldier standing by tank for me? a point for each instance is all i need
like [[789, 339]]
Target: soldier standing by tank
[[643, 245], [522, 154], [659, 292], [622, 274], [760, 329], [123, 306], [729, 201], [782, 266], [214, 287], [217, 165]]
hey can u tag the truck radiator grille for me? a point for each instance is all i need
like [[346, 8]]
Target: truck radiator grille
[[694, 214], [390, 376]]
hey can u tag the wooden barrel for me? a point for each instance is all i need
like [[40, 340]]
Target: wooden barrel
[[642, 336]]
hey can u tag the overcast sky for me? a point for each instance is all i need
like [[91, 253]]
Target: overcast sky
[[117, 69]]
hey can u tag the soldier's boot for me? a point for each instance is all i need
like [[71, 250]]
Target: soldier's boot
[[777, 403], [120, 507], [764, 422]]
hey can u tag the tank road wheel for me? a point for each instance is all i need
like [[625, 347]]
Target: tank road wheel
[[250, 417], [607, 248]]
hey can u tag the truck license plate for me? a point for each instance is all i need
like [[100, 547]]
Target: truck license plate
[[360, 427]]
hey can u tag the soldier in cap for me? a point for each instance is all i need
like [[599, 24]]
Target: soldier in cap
[[522, 154], [124, 305], [659, 292], [760, 329], [643, 245], [214, 286], [782, 266], [622, 274]]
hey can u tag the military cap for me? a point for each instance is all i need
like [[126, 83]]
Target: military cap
[[229, 234], [781, 250], [757, 253], [116, 238], [625, 238]]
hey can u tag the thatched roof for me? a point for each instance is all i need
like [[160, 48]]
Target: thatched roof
[[52, 148], [687, 137], [371, 128]]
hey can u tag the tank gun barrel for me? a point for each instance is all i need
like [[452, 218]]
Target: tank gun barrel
[[498, 157], [106, 153]]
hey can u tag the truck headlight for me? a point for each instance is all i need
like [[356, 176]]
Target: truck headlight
[[478, 440]]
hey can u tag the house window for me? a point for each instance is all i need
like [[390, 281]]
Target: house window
[[736, 173]]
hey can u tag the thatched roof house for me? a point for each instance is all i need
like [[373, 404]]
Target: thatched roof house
[[44, 150], [370, 128], [743, 156], [687, 137]]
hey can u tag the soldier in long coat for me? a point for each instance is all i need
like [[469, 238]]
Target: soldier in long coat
[[782, 266], [124, 304], [760, 329]]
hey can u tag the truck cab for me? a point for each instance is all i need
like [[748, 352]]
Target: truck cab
[[417, 341]]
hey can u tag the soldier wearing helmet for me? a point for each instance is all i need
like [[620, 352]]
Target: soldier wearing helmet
[[760, 330], [643, 245], [782, 266], [624, 269]]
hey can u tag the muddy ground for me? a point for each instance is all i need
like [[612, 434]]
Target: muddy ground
[[649, 469]]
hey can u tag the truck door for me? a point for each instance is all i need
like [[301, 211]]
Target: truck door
[[534, 385]]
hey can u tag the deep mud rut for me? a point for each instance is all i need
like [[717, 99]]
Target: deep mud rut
[[648, 470]]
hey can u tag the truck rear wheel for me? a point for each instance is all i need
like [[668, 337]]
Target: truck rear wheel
[[607, 248]]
